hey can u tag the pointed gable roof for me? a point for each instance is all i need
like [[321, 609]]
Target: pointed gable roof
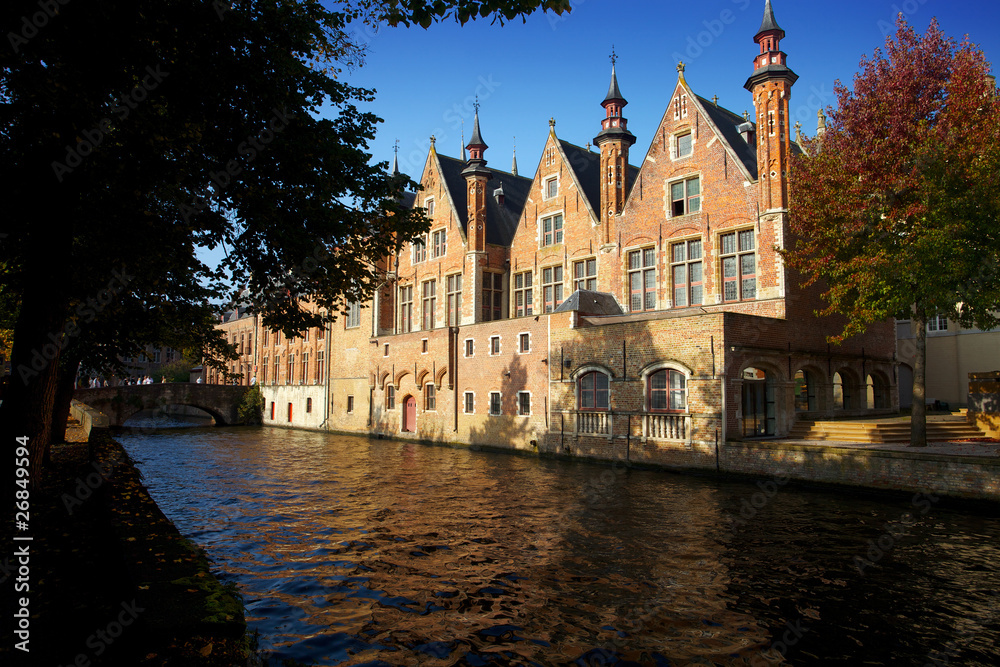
[[501, 221], [769, 23], [585, 167], [725, 123]]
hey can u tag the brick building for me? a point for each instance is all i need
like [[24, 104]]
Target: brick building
[[603, 309]]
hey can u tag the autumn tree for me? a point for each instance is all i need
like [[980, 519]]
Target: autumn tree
[[895, 208], [133, 133]]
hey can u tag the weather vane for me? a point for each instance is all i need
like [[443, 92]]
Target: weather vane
[[475, 105], [395, 147], [614, 58]]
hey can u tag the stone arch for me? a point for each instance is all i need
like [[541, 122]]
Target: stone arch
[[439, 377], [809, 383], [419, 377], [878, 394], [847, 387], [382, 378], [764, 399], [587, 368], [664, 365], [399, 378]]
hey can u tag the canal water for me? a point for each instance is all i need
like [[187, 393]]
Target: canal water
[[354, 551]]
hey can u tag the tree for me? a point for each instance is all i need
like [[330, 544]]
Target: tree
[[133, 133], [895, 209]]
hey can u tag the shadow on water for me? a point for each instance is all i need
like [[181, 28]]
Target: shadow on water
[[357, 551], [168, 417]]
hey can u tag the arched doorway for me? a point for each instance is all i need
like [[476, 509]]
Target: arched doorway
[[758, 403], [805, 391], [878, 397], [409, 414]]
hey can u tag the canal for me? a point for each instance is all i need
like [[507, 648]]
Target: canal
[[357, 551]]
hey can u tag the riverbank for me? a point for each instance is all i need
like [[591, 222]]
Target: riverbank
[[112, 580]]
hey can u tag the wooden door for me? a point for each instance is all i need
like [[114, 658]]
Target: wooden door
[[410, 414]]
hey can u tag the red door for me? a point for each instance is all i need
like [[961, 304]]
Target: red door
[[410, 414]]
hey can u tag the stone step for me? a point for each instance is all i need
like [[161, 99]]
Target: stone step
[[873, 432]]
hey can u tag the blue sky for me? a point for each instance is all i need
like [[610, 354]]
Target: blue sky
[[558, 66]]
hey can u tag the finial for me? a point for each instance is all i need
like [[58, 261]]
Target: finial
[[552, 123], [798, 131], [588, 146], [746, 115], [395, 158], [433, 139], [681, 66], [513, 166], [820, 123], [614, 57], [715, 100], [475, 105]]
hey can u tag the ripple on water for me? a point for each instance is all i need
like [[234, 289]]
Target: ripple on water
[[352, 551]]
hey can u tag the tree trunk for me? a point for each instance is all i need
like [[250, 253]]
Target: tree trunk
[[918, 415], [66, 383]]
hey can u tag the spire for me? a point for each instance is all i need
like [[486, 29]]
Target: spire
[[613, 92], [769, 24], [476, 142], [513, 166], [395, 158], [464, 157]]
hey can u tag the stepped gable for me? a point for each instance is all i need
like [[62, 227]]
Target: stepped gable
[[501, 221], [726, 123]]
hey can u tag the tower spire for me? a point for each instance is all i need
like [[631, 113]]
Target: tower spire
[[513, 166], [613, 141], [464, 157], [395, 158]]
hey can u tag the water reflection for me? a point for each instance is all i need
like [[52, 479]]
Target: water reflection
[[353, 551]]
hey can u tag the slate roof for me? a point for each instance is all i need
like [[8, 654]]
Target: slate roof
[[587, 166], [613, 92], [501, 221], [727, 122], [769, 23], [588, 302]]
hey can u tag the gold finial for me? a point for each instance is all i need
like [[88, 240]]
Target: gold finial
[[746, 115], [552, 123], [433, 139], [715, 100], [681, 66]]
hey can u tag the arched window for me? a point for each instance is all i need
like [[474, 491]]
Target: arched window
[[878, 392], [390, 397], [594, 391], [842, 399], [667, 391]]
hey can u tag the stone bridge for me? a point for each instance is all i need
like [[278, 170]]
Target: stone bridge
[[120, 403]]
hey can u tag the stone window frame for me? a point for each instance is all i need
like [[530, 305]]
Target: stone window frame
[[526, 293], [577, 378], [465, 348], [520, 340], [429, 205], [675, 144], [438, 249], [499, 395], [520, 406], [419, 249], [647, 374], [430, 397], [465, 403], [390, 397], [558, 236], [496, 345], [453, 295], [687, 178], [641, 270], [556, 285], [546, 181], [428, 304], [587, 277], [686, 262], [738, 254]]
